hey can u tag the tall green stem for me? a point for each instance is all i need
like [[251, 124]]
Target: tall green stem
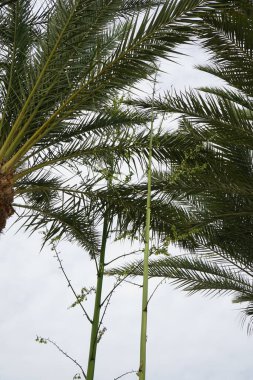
[[143, 341], [97, 306]]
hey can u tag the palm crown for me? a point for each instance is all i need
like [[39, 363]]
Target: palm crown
[[61, 65]]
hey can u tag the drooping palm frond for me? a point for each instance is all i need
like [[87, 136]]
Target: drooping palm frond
[[62, 223], [45, 202], [227, 35], [193, 274], [207, 273]]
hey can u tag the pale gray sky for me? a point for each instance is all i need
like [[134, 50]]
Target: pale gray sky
[[189, 338]]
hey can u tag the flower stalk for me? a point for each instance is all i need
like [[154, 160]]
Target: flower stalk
[[143, 339], [98, 302]]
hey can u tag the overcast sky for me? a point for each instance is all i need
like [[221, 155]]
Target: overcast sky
[[189, 338]]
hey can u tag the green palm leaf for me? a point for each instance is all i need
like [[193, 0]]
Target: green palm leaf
[[209, 274]]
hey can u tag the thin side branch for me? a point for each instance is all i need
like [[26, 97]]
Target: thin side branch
[[121, 256], [156, 288], [67, 355], [69, 283], [133, 283], [124, 374], [113, 289]]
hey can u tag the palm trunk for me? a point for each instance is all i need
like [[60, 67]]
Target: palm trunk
[[6, 197], [97, 306]]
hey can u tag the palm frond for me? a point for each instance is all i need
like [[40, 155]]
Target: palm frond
[[193, 274], [18, 34], [60, 221], [65, 81], [206, 274], [228, 35]]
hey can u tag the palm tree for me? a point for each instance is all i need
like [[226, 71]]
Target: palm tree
[[60, 66], [211, 165]]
